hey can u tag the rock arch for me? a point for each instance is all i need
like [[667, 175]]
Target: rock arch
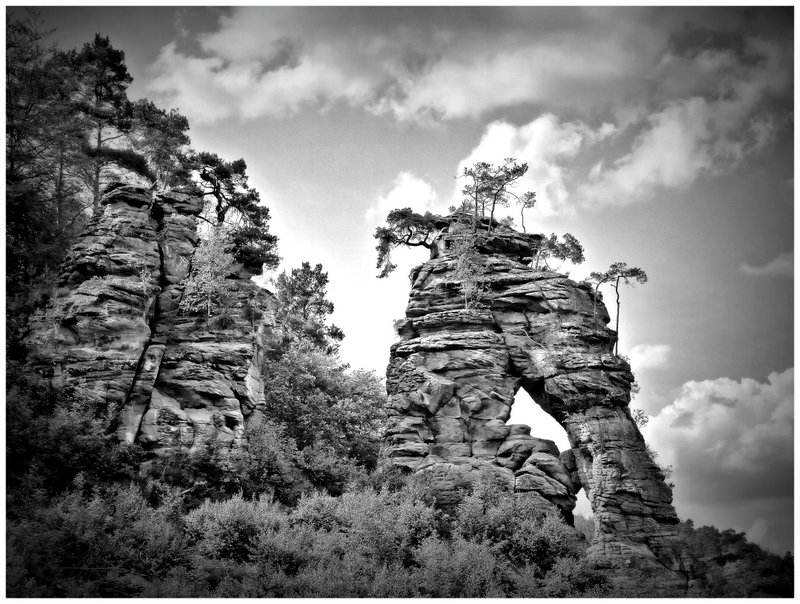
[[452, 379]]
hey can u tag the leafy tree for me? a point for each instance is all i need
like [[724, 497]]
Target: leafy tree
[[317, 400], [618, 272], [568, 249], [489, 186], [303, 308], [232, 199], [405, 227], [206, 287]]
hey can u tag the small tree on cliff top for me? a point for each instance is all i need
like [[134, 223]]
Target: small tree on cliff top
[[489, 186], [618, 272]]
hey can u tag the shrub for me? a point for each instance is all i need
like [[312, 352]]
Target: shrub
[[98, 545], [230, 529]]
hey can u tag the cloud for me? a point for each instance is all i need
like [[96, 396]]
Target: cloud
[[730, 444], [464, 62], [714, 114], [656, 98], [715, 110], [782, 266], [411, 63], [649, 356], [408, 191]]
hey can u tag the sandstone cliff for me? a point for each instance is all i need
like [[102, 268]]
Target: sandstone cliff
[[453, 375], [113, 327]]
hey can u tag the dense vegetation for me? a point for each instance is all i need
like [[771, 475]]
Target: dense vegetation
[[304, 509]]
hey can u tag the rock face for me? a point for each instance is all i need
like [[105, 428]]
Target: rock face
[[453, 376], [114, 328]]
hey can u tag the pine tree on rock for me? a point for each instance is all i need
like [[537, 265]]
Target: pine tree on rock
[[102, 100], [235, 203], [618, 272]]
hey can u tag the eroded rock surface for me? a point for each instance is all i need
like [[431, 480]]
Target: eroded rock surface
[[114, 328], [453, 376]]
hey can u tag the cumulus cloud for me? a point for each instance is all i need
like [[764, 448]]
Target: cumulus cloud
[[730, 443], [781, 266], [407, 191], [649, 356]]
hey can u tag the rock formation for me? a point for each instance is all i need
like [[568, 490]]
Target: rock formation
[[113, 327], [453, 376]]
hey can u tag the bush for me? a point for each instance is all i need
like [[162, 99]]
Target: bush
[[229, 530], [98, 545], [57, 434], [516, 527]]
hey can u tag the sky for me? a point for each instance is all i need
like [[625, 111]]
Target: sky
[[662, 137]]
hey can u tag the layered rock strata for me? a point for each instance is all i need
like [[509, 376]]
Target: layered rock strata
[[453, 376], [114, 328]]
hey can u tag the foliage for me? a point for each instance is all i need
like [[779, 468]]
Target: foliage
[[319, 402], [206, 287], [516, 527], [102, 106], [527, 201], [55, 436], [303, 309], [618, 272], [640, 418], [469, 270], [490, 186], [232, 199], [550, 247], [405, 227], [161, 137], [117, 539], [43, 209], [585, 526], [757, 573], [92, 545]]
